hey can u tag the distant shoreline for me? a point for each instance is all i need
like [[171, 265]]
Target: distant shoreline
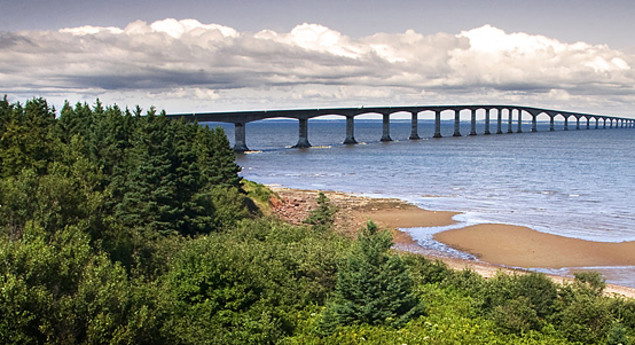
[[497, 246]]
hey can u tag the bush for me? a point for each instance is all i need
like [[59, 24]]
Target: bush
[[247, 286], [516, 315]]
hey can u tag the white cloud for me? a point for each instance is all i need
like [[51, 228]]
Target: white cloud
[[175, 61]]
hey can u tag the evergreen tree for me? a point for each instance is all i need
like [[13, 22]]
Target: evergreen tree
[[30, 138], [322, 217], [373, 286], [216, 159], [5, 114], [150, 186]]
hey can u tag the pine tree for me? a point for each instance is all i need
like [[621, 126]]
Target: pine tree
[[5, 114], [30, 138], [216, 159], [322, 217], [373, 287], [150, 186]]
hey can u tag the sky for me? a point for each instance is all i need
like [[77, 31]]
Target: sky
[[196, 56]]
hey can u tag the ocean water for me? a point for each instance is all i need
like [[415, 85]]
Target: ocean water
[[578, 184]]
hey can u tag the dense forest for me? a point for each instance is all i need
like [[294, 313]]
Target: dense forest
[[126, 227]]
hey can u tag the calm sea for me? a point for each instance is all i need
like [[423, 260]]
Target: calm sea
[[578, 183]]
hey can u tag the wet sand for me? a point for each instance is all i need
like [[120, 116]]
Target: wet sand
[[522, 247]]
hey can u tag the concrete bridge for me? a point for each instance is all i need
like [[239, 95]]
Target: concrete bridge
[[240, 118]]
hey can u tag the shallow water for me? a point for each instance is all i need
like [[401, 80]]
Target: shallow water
[[577, 183]]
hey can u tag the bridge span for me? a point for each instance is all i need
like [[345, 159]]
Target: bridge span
[[241, 118]]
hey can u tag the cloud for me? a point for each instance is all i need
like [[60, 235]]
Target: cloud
[[312, 65]]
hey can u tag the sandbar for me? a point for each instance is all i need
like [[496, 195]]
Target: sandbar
[[518, 246]]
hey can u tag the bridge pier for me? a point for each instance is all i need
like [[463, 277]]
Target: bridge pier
[[597, 123], [414, 126], [534, 122], [239, 137], [509, 123], [303, 134], [457, 123], [499, 125], [588, 123], [552, 123], [350, 131], [386, 128], [566, 123], [520, 121], [487, 115], [472, 122], [437, 124], [577, 123]]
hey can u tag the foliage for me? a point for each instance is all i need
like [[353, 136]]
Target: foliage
[[617, 335], [373, 286], [247, 287], [321, 218], [590, 281], [450, 320], [55, 289]]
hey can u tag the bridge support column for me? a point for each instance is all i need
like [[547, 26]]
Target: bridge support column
[[552, 123], [577, 123], [487, 115], [520, 121], [472, 122], [604, 123], [414, 127], [509, 123], [588, 123], [597, 123], [566, 123], [350, 130], [457, 123], [437, 124], [303, 134], [239, 137], [386, 128], [534, 124], [499, 125]]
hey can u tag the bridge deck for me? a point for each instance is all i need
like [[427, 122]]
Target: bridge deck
[[240, 118]]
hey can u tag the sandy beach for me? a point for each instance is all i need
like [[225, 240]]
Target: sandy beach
[[497, 246], [522, 247]]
